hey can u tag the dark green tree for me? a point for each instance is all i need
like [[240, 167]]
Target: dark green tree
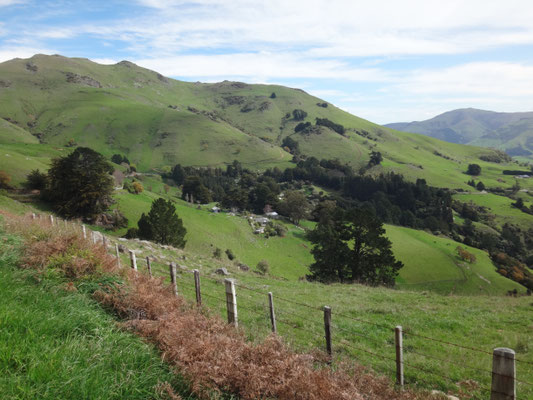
[[80, 184], [351, 247], [375, 158], [178, 174], [36, 180], [162, 224], [194, 186], [299, 115], [473, 169]]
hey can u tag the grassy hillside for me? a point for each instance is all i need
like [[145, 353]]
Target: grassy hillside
[[56, 343], [159, 122], [364, 317], [431, 262]]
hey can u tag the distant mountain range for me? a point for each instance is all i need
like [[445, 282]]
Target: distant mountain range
[[512, 132]]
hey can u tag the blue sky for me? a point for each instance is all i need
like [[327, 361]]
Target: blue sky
[[385, 61]]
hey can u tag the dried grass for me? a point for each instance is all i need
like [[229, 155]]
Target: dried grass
[[212, 355]]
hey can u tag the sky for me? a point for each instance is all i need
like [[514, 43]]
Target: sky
[[385, 61]]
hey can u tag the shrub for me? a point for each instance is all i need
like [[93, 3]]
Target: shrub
[[230, 254], [273, 95], [263, 267], [217, 253], [299, 115], [4, 180], [473, 169], [137, 187]]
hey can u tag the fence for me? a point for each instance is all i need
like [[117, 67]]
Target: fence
[[260, 304]]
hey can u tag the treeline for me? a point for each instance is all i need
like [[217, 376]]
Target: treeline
[[389, 196]]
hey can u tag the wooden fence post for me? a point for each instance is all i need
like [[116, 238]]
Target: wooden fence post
[[104, 242], [149, 266], [93, 237], [84, 231], [51, 219], [197, 287], [327, 328], [272, 314], [398, 336], [133, 260], [173, 279], [117, 252], [231, 302], [503, 374]]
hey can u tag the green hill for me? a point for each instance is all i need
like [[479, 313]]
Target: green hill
[[512, 132], [158, 122]]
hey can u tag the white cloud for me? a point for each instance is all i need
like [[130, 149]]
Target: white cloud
[[105, 61], [7, 54], [499, 79], [5, 3], [260, 67]]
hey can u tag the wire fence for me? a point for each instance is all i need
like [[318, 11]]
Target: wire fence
[[396, 349]]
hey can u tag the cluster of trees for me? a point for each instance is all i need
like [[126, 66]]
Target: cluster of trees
[[332, 125], [389, 196], [350, 246], [513, 269]]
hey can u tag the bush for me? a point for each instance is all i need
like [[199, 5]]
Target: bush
[[263, 267], [280, 230], [217, 253], [473, 169], [299, 115], [273, 95], [332, 125], [137, 187], [230, 254], [4, 180]]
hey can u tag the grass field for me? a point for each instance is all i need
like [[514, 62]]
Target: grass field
[[363, 317], [500, 207], [431, 262], [59, 344]]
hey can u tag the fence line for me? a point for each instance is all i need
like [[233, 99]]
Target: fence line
[[503, 384]]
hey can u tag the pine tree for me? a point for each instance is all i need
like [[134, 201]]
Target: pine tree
[[162, 224]]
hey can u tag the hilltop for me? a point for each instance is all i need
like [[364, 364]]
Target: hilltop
[[512, 132], [49, 103]]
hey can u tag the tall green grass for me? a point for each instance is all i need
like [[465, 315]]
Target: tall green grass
[[59, 344]]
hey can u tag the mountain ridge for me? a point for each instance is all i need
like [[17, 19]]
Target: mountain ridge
[[158, 122], [511, 132]]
